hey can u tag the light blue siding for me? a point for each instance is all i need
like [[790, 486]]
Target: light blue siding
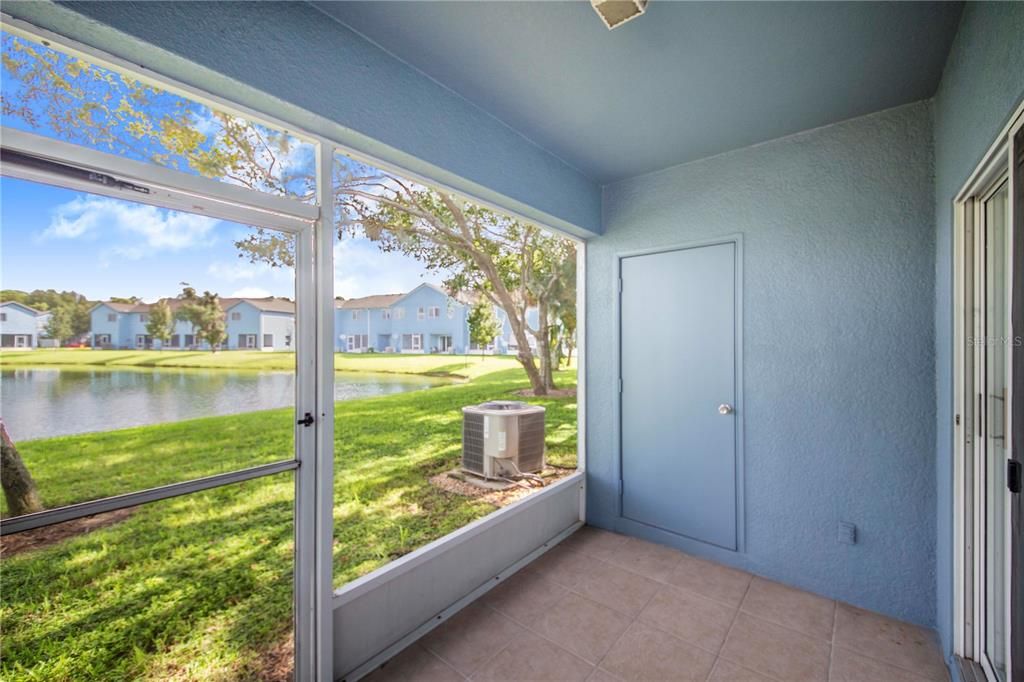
[[247, 326], [450, 321], [104, 331], [278, 329], [126, 328], [22, 322], [393, 327]]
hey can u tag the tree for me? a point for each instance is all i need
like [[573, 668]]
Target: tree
[[49, 300], [61, 323], [20, 489], [205, 315], [483, 325], [160, 324], [512, 264]]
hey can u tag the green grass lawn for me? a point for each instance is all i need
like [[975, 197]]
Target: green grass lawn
[[467, 366], [199, 587]]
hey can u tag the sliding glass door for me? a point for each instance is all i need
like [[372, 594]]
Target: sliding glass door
[[988, 344], [992, 355]]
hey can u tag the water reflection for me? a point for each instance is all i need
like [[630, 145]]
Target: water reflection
[[44, 402]]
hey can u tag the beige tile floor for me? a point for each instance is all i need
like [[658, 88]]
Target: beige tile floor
[[604, 607]]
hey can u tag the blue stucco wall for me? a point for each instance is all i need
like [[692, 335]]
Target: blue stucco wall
[[838, 348], [982, 83], [291, 60]]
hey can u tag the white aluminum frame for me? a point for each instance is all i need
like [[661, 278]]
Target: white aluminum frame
[[969, 602], [179, 191], [314, 229]]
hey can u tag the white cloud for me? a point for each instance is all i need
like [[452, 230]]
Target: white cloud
[[249, 292], [137, 230], [362, 269], [244, 271]]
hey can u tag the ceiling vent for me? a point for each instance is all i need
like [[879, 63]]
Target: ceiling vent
[[503, 439], [617, 12]]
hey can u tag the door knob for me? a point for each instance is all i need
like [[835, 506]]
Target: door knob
[[725, 408]]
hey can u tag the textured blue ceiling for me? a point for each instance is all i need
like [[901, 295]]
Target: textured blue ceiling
[[685, 81]]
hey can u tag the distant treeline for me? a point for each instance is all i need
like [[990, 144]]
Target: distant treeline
[[70, 310]]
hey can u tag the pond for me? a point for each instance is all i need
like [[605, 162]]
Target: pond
[[45, 402]]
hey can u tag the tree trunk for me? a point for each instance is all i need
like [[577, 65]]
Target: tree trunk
[[19, 489], [517, 323], [544, 346]]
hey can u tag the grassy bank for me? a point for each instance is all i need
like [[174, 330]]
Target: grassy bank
[[470, 366], [199, 587]]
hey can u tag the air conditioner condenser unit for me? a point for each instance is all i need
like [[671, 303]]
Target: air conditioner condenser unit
[[503, 439]]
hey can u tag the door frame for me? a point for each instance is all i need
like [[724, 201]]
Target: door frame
[[47, 161], [616, 388], [968, 540]]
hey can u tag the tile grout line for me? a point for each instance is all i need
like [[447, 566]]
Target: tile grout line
[[632, 620], [547, 639], [483, 662], [902, 668], [618, 639], [767, 619], [445, 661], [732, 624], [739, 608]]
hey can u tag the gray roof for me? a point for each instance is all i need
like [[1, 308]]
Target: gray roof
[[374, 301], [269, 304], [29, 308]]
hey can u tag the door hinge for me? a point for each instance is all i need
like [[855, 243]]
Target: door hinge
[[1013, 475], [306, 421], [620, 285], [620, 385], [957, 420], [620, 487]]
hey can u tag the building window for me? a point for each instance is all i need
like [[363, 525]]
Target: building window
[[385, 314], [3, 317], [355, 314], [111, 317], [246, 340], [451, 311], [236, 316], [287, 340], [356, 342], [175, 340], [399, 313], [143, 317], [412, 341], [142, 341], [420, 313], [190, 340], [268, 340], [102, 340], [434, 312]]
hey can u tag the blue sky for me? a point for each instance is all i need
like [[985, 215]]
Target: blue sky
[[53, 238]]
